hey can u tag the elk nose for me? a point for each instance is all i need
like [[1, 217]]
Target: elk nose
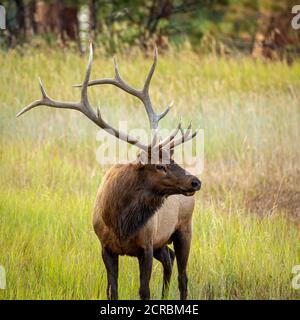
[[196, 184]]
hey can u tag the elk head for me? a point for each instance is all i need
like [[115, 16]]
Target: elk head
[[168, 179], [162, 175]]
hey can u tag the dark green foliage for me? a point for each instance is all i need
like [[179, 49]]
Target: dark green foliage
[[119, 24]]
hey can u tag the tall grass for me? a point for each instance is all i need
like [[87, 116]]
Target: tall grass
[[246, 237]]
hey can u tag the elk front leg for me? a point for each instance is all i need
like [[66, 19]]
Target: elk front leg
[[166, 256], [145, 263], [111, 262], [182, 242]]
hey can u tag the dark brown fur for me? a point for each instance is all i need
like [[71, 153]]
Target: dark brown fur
[[133, 208]]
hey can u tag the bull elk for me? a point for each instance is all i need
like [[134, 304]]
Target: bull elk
[[142, 206]]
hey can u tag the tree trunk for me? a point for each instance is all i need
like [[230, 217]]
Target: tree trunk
[[59, 4], [29, 10], [159, 10], [20, 17], [92, 18]]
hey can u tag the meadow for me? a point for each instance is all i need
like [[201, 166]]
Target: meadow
[[246, 221]]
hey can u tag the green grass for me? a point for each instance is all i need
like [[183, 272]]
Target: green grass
[[246, 236]]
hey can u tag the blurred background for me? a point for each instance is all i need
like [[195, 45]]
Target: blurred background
[[258, 28]]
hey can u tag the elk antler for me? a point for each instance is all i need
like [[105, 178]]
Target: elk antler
[[171, 143], [142, 94], [84, 107]]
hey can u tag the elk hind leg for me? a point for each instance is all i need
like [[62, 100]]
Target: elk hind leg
[[166, 256], [182, 242]]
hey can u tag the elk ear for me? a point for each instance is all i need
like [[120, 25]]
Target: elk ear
[[140, 159]]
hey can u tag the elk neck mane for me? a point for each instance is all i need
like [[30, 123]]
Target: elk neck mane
[[134, 204]]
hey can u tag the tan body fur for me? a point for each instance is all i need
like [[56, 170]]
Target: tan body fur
[[175, 213]]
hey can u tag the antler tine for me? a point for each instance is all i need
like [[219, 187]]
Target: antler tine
[[84, 96], [84, 107], [184, 138], [44, 94], [120, 83], [169, 138], [152, 116], [117, 81], [142, 95], [150, 74], [164, 113], [46, 101]]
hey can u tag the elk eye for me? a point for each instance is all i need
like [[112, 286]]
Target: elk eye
[[160, 167]]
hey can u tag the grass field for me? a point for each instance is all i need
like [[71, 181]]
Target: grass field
[[246, 230]]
